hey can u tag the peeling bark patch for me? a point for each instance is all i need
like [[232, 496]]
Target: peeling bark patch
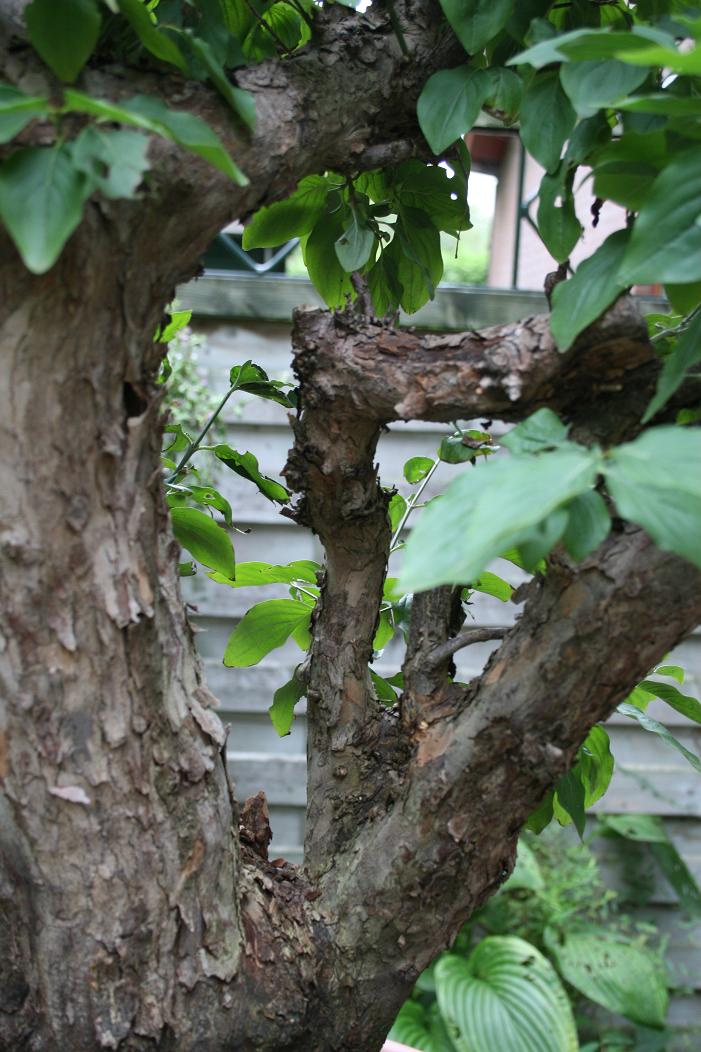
[[73, 793]]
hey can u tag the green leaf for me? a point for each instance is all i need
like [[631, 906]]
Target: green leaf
[[668, 57], [643, 828], [421, 1028], [64, 33], [354, 247], [547, 118], [241, 102], [17, 110], [674, 671], [599, 83], [506, 996], [47, 178], [569, 802], [420, 265], [429, 189], [684, 298], [208, 497], [627, 979], [535, 542], [254, 380], [665, 245], [450, 104], [256, 573], [491, 584], [656, 483], [558, 225], [539, 819], [527, 873], [331, 281], [246, 465], [662, 102], [505, 91], [187, 569], [655, 727], [395, 509], [465, 447], [263, 628], [294, 217], [476, 22], [542, 430], [679, 876], [114, 161], [589, 523], [385, 631], [158, 43], [686, 354], [682, 703], [595, 764], [490, 509], [182, 128], [207, 542], [282, 709], [384, 284], [584, 44], [178, 320], [417, 468], [384, 690], [596, 284]]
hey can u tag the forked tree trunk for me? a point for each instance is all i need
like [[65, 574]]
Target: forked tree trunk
[[132, 917]]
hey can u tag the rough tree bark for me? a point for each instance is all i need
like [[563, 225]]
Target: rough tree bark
[[132, 914]]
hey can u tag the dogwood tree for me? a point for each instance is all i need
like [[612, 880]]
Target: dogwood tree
[[139, 910]]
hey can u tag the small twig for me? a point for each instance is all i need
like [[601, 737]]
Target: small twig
[[196, 443], [463, 639], [411, 505], [682, 327], [284, 50], [398, 32]]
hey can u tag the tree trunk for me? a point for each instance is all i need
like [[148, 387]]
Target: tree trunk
[[132, 914]]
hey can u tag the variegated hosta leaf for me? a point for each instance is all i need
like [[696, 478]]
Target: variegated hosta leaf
[[421, 1028], [505, 997]]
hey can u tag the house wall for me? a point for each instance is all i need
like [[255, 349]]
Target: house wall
[[247, 318]]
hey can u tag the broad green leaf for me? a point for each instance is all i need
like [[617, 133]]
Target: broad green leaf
[[45, 176], [542, 430], [644, 828], [209, 497], [589, 523], [535, 542], [526, 873], [114, 161], [181, 441], [263, 628], [662, 102], [475, 22], [354, 247], [541, 818], [396, 509], [656, 483], [505, 91], [282, 709], [178, 320], [682, 703], [257, 573], [491, 584], [297, 215], [655, 727], [207, 542], [583, 298], [279, 22], [417, 468], [421, 1028], [64, 33], [385, 631], [187, 569], [158, 43], [668, 57], [465, 446], [547, 118], [679, 876], [384, 284], [686, 354], [489, 509], [246, 465], [673, 671], [385, 691], [665, 245], [254, 380], [598, 84], [17, 110], [584, 44], [154, 116], [595, 764], [625, 978], [429, 188], [627, 182], [569, 802], [331, 281], [558, 225], [450, 104], [241, 102], [684, 298], [506, 997], [420, 264]]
